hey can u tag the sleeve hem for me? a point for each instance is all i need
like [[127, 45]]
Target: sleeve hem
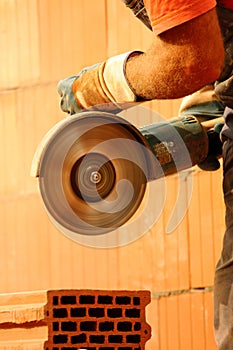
[[181, 16]]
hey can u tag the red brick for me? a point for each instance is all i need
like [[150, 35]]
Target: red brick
[[90, 319], [98, 319]]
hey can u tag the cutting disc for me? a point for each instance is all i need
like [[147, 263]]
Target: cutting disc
[[92, 175]]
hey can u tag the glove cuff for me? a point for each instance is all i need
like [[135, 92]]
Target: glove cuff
[[105, 83], [114, 81]]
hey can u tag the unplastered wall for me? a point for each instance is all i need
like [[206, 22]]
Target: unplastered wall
[[43, 41]]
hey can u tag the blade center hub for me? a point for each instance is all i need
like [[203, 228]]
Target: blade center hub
[[92, 177], [95, 177]]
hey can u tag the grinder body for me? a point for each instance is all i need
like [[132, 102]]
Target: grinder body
[[177, 144]]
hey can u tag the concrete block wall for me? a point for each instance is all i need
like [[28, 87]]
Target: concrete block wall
[[74, 319]]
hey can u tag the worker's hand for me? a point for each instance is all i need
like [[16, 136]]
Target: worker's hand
[[204, 105], [69, 104], [103, 84], [224, 90], [211, 162]]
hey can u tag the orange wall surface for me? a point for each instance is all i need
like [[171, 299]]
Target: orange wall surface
[[41, 42]]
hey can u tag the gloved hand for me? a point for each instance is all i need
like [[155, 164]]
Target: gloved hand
[[204, 104], [224, 90], [69, 104], [103, 84], [211, 162]]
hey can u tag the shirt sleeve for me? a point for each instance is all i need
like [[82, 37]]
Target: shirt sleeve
[[166, 14]]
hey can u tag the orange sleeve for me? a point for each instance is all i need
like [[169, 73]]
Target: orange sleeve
[[166, 14]]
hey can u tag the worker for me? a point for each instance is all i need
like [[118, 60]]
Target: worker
[[191, 54]]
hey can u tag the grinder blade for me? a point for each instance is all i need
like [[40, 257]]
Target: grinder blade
[[92, 176]]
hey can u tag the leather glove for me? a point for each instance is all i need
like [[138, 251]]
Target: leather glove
[[205, 104], [69, 104], [104, 85], [224, 90]]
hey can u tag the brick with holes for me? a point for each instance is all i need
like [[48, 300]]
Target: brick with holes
[[97, 320], [74, 320]]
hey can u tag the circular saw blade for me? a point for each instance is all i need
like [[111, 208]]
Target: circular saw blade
[[93, 174]]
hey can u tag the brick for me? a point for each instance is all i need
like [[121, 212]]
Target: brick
[[104, 319], [74, 319]]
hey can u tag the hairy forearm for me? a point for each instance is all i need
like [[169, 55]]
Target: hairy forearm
[[180, 61]]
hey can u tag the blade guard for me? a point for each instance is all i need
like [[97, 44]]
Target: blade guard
[[93, 167], [92, 172]]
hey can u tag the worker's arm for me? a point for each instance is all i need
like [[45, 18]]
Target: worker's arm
[[180, 60]]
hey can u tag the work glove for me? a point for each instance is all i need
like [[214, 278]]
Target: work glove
[[211, 162], [104, 85], [68, 102], [205, 104], [224, 90]]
